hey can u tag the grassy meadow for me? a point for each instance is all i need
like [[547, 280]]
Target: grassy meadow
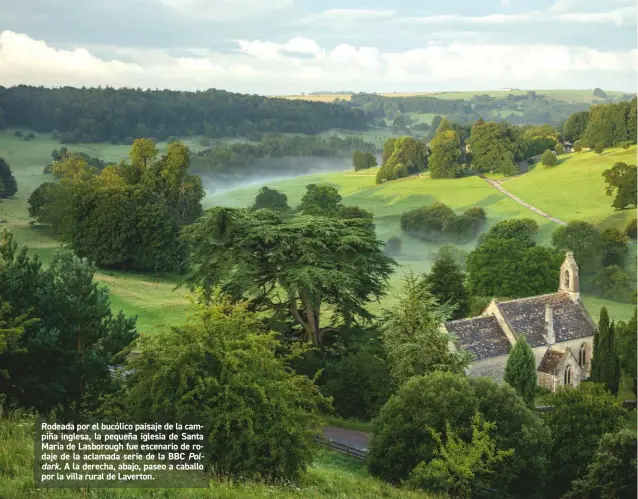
[[564, 95], [573, 189]]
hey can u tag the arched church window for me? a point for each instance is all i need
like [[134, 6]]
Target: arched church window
[[566, 279], [582, 355], [568, 375]]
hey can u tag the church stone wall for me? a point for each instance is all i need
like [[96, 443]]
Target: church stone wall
[[489, 368], [546, 381], [574, 346]]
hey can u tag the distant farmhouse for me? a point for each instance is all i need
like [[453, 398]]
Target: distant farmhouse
[[556, 326]]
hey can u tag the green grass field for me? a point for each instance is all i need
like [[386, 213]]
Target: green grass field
[[575, 188], [564, 95], [330, 476]]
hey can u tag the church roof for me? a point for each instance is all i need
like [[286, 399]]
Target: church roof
[[527, 316], [552, 360], [482, 336]]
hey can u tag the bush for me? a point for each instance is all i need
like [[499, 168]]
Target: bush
[[626, 144], [403, 438], [17, 133], [632, 229], [476, 212], [400, 171], [26, 138], [582, 416], [559, 149], [360, 385], [599, 148], [439, 222], [549, 158], [31, 136], [612, 474], [614, 283], [259, 417], [393, 246]]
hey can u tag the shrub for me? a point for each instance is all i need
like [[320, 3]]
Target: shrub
[[439, 222], [559, 149], [360, 385], [549, 158], [632, 229], [393, 246], [626, 144], [581, 417], [613, 283], [476, 212], [31, 136], [599, 148], [258, 416], [26, 138], [400, 171], [17, 133], [612, 474], [403, 437]]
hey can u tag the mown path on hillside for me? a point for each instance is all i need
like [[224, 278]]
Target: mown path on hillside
[[521, 202]]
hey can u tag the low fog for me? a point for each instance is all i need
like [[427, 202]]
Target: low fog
[[264, 172]]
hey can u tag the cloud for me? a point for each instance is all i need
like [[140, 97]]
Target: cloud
[[225, 10], [276, 68], [620, 16]]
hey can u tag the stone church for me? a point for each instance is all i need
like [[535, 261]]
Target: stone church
[[557, 327]]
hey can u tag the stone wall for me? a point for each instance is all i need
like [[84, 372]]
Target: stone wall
[[489, 368]]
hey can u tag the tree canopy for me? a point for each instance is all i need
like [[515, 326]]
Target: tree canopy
[[127, 215], [122, 115], [8, 184], [221, 370], [295, 266], [622, 179]]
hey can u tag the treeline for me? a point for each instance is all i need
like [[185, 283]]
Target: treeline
[[122, 115], [531, 108], [242, 154], [125, 216], [604, 125], [455, 150]]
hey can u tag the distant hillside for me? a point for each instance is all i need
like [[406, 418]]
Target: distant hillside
[[119, 116], [531, 107]]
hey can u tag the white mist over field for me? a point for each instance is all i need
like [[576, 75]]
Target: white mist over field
[[266, 172]]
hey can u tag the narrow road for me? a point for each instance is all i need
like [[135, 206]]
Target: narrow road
[[352, 438], [521, 202]]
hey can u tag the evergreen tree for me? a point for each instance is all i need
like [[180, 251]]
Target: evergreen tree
[[605, 360], [8, 184], [627, 344], [446, 283], [520, 371]]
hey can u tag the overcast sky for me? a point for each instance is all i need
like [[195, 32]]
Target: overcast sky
[[293, 46]]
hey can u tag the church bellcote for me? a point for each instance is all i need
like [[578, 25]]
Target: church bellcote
[[569, 277]]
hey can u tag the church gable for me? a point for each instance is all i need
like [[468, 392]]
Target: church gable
[[481, 336], [552, 361]]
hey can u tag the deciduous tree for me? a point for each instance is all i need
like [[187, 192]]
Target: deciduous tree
[[445, 159]]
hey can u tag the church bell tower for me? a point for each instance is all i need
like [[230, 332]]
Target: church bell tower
[[569, 277]]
